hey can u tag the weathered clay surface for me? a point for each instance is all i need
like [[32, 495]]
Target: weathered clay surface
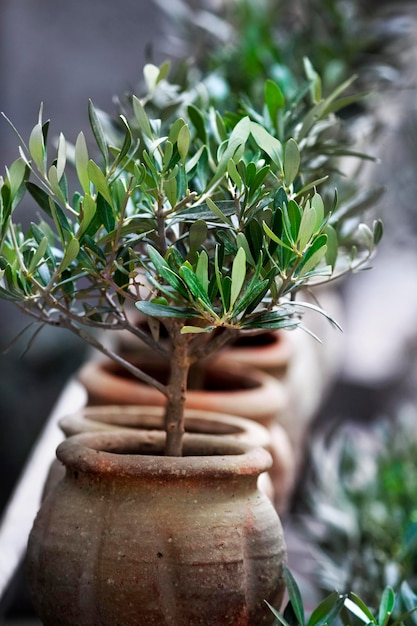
[[131, 539]]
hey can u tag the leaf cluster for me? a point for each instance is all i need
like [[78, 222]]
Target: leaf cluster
[[214, 215]]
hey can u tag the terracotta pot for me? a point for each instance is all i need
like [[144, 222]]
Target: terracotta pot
[[271, 352], [133, 538], [99, 418], [230, 388]]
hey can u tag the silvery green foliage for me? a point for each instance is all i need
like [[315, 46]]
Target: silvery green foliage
[[214, 210], [359, 512]]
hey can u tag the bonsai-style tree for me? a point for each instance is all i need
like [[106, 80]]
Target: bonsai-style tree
[[208, 223]]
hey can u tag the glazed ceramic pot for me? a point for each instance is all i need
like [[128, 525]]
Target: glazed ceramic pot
[[131, 537]]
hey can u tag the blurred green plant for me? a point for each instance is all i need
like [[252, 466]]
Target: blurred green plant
[[346, 608], [239, 42], [359, 513]]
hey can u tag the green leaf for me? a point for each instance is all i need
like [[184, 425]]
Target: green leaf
[[242, 242], [175, 129], [81, 162], [151, 75], [331, 106], [292, 220], [332, 246], [196, 159], [318, 205], [307, 227], [294, 595], [105, 213], [37, 147], [238, 275], [40, 196], [315, 80], [127, 142], [274, 99], [292, 161], [314, 255], [99, 180], [251, 295], [218, 212], [202, 270], [160, 310], [70, 255], [275, 237], [98, 132], [168, 151], [166, 272], [197, 120], [16, 175], [218, 274], [327, 610], [226, 289], [236, 141], [267, 143], [170, 189], [197, 235], [141, 117], [10, 295], [194, 285], [61, 156], [358, 607], [378, 231], [39, 254], [310, 120], [88, 212], [277, 614], [183, 142], [54, 182], [234, 174], [164, 70], [185, 330], [386, 606]]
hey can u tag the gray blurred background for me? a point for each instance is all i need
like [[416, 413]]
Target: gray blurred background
[[63, 53]]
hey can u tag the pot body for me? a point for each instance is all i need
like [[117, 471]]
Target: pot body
[[132, 538]]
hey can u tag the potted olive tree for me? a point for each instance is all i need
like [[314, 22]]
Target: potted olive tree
[[205, 224]]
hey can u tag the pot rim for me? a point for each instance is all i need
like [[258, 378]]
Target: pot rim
[[101, 452], [108, 417], [267, 395]]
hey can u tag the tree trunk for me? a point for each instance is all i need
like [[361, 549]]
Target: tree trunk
[[177, 388]]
